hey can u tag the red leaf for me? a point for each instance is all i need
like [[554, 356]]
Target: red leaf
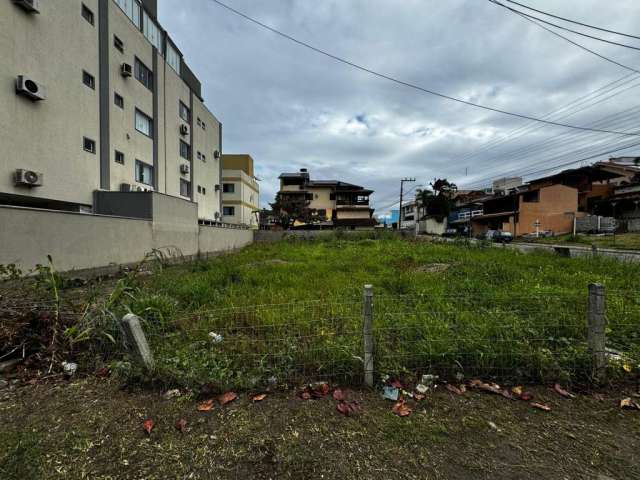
[[258, 398], [205, 406], [148, 425], [540, 406], [181, 425], [401, 409], [103, 372], [320, 389], [227, 397], [456, 390], [526, 396], [348, 408], [561, 391], [338, 395], [305, 395], [487, 387]]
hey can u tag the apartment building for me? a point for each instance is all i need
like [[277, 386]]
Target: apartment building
[[96, 96], [240, 191], [336, 203]]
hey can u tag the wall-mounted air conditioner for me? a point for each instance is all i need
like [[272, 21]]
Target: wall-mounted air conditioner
[[126, 70], [184, 129], [217, 188], [184, 169], [127, 187], [30, 88], [28, 178], [216, 154], [30, 6]]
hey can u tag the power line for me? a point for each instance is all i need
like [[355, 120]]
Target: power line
[[404, 83], [573, 21], [582, 47], [593, 37]]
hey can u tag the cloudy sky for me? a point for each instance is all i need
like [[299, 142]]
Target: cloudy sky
[[290, 107]]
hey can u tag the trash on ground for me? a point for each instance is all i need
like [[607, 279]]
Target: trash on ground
[[181, 425], [348, 408], [338, 394], [562, 392], [402, 409], [457, 390], [541, 406], [148, 425], [422, 389], [390, 393], [493, 426], [216, 337], [629, 404], [205, 406], [487, 387], [396, 383], [429, 380], [169, 394], [69, 368], [227, 398], [418, 397], [258, 398], [103, 372]]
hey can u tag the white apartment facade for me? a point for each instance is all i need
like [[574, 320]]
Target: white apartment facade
[[240, 191], [97, 97]]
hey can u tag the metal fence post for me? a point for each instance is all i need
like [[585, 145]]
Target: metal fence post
[[368, 335], [596, 336]]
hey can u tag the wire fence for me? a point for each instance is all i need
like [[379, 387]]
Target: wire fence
[[510, 337]]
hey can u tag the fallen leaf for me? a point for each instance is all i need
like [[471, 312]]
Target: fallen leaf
[[338, 394], [305, 395], [148, 425], [319, 389], [517, 391], [348, 408], [457, 390], [627, 403], [206, 406], [526, 396], [258, 398], [562, 392], [419, 396], [103, 372], [540, 406], [506, 394], [487, 387], [181, 425], [227, 397], [401, 409]]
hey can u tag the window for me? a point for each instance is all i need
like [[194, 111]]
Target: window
[[89, 145], [87, 14], [143, 74], [144, 123], [173, 58], [144, 173], [185, 150], [118, 100], [88, 80], [204, 191], [185, 188], [199, 156], [131, 8], [531, 197], [203, 126], [228, 187], [152, 31], [204, 159], [118, 44], [229, 211], [184, 112], [199, 122], [199, 189], [119, 157]]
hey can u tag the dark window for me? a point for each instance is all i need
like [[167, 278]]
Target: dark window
[[185, 150], [199, 122], [204, 191], [184, 112], [185, 188], [228, 188], [143, 74], [87, 14], [204, 159], [229, 211], [203, 126], [118, 100], [531, 197], [144, 123], [199, 189], [118, 43], [119, 157], [332, 196], [199, 156], [89, 145], [88, 80], [144, 173], [322, 212]]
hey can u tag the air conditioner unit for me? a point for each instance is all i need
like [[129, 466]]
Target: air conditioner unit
[[127, 187], [184, 168], [31, 6], [216, 154], [217, 188], [126, 70], [184, 129], [28, 178], [30, 88]]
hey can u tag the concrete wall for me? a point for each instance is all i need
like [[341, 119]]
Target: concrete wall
[[431, 226], [79, 241], [555, 210]]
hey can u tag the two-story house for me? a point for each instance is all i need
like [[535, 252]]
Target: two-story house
[[240, 191]]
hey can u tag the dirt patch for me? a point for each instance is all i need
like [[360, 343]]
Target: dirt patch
[[434, 268], [93, 429]]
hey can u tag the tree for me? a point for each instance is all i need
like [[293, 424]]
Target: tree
[[438, 201], [289, 208]]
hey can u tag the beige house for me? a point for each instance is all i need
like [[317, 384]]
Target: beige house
[[240, 191], [96, 96], [339, 204]]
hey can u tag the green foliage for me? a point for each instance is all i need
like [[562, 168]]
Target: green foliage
[[10, 272]]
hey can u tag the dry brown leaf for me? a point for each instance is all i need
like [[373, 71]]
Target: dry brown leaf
[[487, 387], [321, 390], [148, 425], [540, 406], [506, 394], [457, 390], [227, 397], [401, 409], [562, 392], [348, 408], [338, 395], [181, 425], [259, 397], [205, 406]]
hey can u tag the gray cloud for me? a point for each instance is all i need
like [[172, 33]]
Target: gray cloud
[[290, 107]]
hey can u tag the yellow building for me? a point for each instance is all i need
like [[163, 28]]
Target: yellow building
[[240, 191]]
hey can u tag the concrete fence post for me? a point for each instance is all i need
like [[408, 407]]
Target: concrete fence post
[[136, 341], [596, 336], [368, 334]]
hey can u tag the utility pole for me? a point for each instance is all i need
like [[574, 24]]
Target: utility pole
[[401, 192]]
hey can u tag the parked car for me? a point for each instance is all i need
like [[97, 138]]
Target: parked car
[[499, 236], [450, 232]]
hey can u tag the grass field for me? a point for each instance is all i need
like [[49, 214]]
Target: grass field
[[292, 311], [623, 241]]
